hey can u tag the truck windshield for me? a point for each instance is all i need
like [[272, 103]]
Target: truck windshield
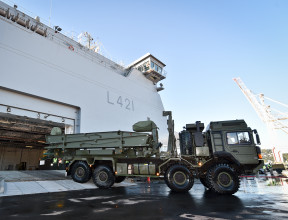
[[238, 137]]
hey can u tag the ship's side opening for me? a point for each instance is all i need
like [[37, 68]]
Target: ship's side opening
[[25, 119], [22, 141]]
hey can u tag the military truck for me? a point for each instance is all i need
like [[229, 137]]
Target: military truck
[[217, 156]]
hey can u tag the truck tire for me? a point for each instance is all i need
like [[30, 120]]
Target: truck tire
[[81, 172], [223, 179], [179, 178], [103, 177], [119, 179]]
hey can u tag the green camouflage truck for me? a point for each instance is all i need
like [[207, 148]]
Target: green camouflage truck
[[217, 157]]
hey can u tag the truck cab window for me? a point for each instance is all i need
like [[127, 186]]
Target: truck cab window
[[238, 138], [232, 138]]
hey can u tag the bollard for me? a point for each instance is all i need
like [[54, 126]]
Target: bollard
[[148, 179]]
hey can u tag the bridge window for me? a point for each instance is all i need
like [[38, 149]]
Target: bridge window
[[152, 64], [146, 66]]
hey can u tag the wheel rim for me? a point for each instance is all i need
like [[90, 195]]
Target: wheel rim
[[179, 177], [103, 176], [80, 172], [224, 179]]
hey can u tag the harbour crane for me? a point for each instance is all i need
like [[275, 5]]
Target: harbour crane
[[273, 118]]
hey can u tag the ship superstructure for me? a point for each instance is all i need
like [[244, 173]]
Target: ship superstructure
[[48, 79]]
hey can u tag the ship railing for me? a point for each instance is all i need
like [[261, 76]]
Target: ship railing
[[86, 52], [74, 37], [26, 12], [103, 59], [69, 37]]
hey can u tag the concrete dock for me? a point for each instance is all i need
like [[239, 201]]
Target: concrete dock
[[37, 198], [14, 183]]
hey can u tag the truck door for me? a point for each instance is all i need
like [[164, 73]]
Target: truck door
[[241, 145]]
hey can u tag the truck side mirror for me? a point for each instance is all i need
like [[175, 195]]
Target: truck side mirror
[[257, 136]]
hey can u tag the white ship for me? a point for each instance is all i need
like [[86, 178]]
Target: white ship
[[48, 79]]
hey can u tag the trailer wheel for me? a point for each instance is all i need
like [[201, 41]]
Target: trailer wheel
[[179, 178], [119, 179], [223, 179], [103, 177], [81, 172]]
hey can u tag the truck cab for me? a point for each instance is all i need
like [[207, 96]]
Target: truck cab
[[229, 141]]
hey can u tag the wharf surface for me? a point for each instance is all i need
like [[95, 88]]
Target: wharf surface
[[14, 183], [61, 198]]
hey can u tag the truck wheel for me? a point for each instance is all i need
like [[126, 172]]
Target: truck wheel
[[223, 179], [119, 179], [81, 172], [103, 177], [179, 178]]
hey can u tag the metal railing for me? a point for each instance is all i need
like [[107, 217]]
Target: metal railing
[[72, 35]]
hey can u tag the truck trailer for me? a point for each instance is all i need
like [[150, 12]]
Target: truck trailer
[[217, 156]]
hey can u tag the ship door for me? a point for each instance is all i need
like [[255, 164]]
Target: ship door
[[24, 121]]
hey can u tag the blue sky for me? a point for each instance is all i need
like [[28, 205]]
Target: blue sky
[[204, 43]]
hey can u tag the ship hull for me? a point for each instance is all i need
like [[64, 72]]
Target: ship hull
[[42, 78]]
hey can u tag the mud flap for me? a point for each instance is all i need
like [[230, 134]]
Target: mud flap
[[260, 165]]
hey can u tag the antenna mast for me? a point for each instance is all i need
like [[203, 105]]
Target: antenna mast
[[50, 13]]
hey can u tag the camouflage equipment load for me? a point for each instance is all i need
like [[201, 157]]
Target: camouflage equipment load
[[144, 126], [112, 139]]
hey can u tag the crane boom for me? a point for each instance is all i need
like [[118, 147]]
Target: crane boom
[[273, 118]]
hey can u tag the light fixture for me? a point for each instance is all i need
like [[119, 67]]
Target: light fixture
[[57, 29], [160, 88]]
